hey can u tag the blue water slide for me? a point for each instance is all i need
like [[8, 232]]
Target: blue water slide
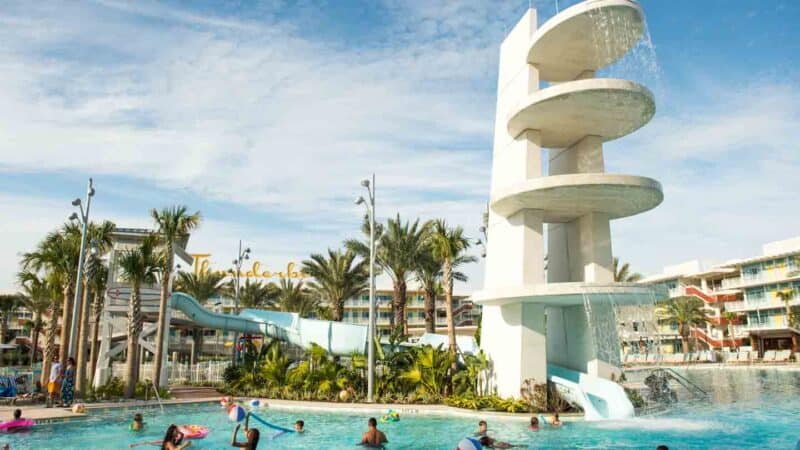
[[601, 399], [336, 337]]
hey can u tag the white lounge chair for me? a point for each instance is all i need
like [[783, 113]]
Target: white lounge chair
[[783, 355], [743, 357], [769, 356]]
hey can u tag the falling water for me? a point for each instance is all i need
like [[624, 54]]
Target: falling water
[[601, 317]]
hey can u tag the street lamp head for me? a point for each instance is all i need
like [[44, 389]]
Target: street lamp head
[[359, 201], [76, 202], [91, 192], [478, 242], [73, 216], [247, 250], [365, 183], [246, 256]]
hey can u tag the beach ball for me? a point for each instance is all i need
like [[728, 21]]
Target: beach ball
[[236, 413], [469, 444], [254, 403], [78, 408]]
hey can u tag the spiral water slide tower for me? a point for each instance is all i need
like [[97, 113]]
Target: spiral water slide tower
[[553, 317]]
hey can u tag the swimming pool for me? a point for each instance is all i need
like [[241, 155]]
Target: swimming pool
[[749, 408]]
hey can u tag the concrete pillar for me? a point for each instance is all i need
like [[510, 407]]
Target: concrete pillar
[[520, 351], [584, 156]]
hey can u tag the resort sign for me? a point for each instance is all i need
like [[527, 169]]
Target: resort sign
[[202, 264]]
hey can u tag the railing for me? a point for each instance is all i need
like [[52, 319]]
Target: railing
[[208, 371]]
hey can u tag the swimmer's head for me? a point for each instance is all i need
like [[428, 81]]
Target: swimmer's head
[[17, 413], [535, 421], [482, 426], [298, 426], [138, 417]]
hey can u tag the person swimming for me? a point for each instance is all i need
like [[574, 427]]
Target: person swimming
[[373, 436], [138, 422], [481, 428], [488, 442], [556, 421], [534, 426], [299, 426], [173, 439]]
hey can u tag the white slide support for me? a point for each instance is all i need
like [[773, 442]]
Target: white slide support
[[601, 399], [336, 337]]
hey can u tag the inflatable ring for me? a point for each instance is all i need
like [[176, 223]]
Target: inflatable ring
[[390, 416], [193, 431], [16, 424]]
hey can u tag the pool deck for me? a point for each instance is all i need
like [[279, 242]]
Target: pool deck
[[41, 414]]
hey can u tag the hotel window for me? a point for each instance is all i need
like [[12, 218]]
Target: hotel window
[[365, 315], [751, 271], [421, 315]]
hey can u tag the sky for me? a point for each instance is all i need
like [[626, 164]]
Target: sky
[[266, 116]]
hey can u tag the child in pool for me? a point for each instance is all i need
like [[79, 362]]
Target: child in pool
[[138, 422], [299, 427]]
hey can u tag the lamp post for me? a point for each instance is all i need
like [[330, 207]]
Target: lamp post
[[371, 327], [242, 255], [84, 219]]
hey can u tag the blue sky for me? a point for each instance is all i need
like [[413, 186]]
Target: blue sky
[[265, 116]]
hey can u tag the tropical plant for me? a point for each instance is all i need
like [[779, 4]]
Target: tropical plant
[[138, 267], [257, 294], [791, 318], [37, 298], [173, 224], [296, 298], [686, 312], [398, 247], [430, 371], [623, 274], [448, 246], [337, 278], [57, 256]]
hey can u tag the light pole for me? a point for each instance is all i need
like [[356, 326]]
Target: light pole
[[371, 327], [242, 255], [84, 219]]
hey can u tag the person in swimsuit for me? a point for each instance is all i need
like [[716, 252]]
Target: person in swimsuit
[[373, 437], [138, 422], [534, 426], [488, 442], [481, 428], [173, 440], [299, 426], [555, 421], [252, 435], [54, 382]]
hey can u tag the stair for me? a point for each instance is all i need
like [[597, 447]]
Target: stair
[[193, 392]]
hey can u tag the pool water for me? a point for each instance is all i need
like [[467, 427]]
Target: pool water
[[748, 408]]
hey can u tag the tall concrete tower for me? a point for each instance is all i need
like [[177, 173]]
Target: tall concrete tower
[[559, 309]]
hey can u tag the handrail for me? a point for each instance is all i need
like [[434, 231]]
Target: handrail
[[158, 397], [683, 381]]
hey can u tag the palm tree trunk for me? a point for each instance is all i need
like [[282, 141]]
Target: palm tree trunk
[[430, 310], [337, 306], [162, 315], [684, 338], [37, 325], [3, 329], [197, 337], [134, 328], [399, 303], [66, 323], [50, 344], [97, 309], [447, 274], [83, 331]]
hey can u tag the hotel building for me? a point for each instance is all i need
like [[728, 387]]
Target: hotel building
[[742, 298]]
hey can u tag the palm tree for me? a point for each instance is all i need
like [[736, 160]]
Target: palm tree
[[295, 297], [173, 224], [687, 312], [257, 295], [337, 278], [786, 296], [429, 276], [730, 317], [448, 246], [138, 266], [98, 282], [203, 287], [622, 274], [57, 255], [398, 247], [100, 237], [37, 299]]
